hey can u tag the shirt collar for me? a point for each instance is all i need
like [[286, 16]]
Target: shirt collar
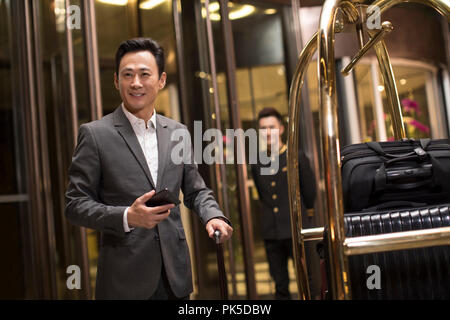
[[134, 120]]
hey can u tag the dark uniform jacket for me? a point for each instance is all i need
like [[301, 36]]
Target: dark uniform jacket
[[273, 193]]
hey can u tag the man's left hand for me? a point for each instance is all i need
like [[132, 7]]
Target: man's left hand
[[218, 224]]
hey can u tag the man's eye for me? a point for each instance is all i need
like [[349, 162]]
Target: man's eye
[[145, 74], [127, 75]]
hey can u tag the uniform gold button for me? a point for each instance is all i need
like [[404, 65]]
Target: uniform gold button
[[275, 209], [273, 183], [274, 196]]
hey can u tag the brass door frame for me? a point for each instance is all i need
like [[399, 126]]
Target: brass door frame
[[241, 170]]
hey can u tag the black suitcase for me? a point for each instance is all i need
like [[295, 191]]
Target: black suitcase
[[413, 274], [405, 274], [392, 187], [409, 170]]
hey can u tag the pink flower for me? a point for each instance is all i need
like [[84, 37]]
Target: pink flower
[[419, 126], [411, 105]]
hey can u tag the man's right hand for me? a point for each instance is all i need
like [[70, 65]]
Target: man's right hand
[[139, 215]]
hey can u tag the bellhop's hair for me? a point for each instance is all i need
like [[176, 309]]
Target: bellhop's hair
[[141, 44], [270, 112]]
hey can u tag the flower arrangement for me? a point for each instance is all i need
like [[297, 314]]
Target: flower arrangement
[[411, 111]]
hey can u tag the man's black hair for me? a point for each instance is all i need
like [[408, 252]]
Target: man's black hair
[[141, 44], [269, 112]]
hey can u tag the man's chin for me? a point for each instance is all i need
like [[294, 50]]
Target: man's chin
[[135, 107]]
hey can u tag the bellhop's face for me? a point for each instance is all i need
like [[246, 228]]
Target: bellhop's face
[[138, 80], [274, 129]]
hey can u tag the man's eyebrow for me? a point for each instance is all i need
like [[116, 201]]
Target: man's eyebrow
[[131, 69]]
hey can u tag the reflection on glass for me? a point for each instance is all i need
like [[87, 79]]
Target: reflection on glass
[[150, 4], [236, 11], [157, 23], [411, 84], [366, 103], [7, 158], [56, 92], [261, 82], [113, 26], [11, 270]]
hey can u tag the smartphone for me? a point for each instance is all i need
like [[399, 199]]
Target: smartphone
[[161, 198]]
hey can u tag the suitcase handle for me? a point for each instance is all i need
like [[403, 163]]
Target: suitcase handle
[[385, 178], [418, 152]]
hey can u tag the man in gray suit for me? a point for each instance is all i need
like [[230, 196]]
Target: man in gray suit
[[118, 164]]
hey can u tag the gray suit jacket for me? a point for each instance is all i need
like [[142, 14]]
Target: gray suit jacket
[[108, 172]]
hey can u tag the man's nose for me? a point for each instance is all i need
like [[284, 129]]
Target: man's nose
[[136, 83]]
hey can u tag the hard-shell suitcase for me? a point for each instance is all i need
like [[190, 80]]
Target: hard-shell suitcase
[[405, 274], [413, 274]]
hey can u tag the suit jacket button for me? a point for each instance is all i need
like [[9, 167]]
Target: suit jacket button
[[274, 196], [273, 183], [275, 209]]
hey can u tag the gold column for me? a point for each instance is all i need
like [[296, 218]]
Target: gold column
[[293, 175], [339, 284]]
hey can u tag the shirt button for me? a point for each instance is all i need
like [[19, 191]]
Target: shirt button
[[273, 183], [275, 209], [274, 196]]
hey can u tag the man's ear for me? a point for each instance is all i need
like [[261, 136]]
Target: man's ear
[[281, 129], [116, 81], [162, 80]]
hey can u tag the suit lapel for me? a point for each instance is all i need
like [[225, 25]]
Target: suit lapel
[[162, 133], [125, 129]]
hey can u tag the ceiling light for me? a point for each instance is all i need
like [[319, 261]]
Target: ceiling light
[[114, 2], [380, 88], [246, 10], [402, 81], [150, 4], [213, 7], [270, 11], [212, 15]]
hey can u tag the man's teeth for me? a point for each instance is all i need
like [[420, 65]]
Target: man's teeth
[[137, 94]]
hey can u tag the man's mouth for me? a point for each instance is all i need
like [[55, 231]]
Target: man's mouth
[[137, 94]]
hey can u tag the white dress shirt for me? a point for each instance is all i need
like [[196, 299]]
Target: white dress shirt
[[146, 135]]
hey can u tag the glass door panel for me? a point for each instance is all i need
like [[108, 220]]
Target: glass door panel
[[13, 194], [422, 110]]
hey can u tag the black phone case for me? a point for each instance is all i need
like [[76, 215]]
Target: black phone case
[[161, 198]]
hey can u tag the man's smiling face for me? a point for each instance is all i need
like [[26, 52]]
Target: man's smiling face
[[138, 81]]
